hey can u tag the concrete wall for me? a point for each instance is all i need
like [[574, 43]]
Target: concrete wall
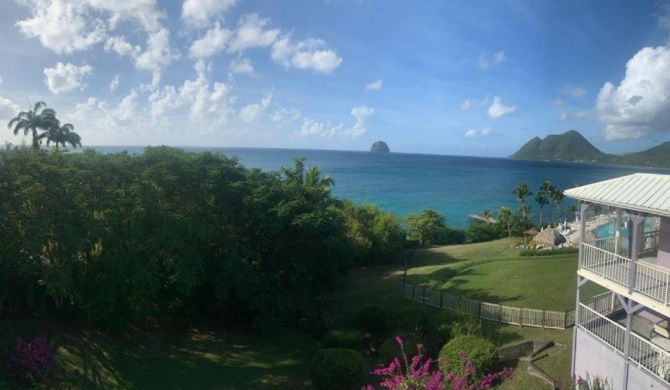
[[597, 358], [639, 378], [663, 258]]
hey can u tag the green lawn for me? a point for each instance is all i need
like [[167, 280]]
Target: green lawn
[[153, 358], [493, 272], [206, 356]]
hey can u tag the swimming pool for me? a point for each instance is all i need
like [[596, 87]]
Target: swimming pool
[[608, 229]]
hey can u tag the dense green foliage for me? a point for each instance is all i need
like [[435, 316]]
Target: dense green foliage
[[376, 235], [116, 239], [390, 349], [429, 228], [481, 232], [336, 369], [343, 338], [372, 319], [414, 319], [478, 349], [548, 252]]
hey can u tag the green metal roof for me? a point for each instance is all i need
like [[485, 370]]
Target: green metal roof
[[643, 192]]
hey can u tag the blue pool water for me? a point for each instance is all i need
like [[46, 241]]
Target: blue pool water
[[608, 230]]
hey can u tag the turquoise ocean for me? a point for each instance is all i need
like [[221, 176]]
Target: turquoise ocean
[[401, 182]]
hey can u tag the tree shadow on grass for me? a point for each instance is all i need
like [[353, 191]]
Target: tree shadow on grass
[[201, 359]]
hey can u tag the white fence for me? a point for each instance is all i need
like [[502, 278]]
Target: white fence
[[490, 311]]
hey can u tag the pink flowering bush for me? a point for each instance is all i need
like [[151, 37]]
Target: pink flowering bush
[[588, 383], [422, 374], [31, 361]]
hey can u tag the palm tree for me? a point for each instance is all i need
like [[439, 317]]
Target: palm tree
[[62, 135], [521, 192], [505, 218], [39, 118], [486, 213], [557, 196], [547, 189], [541, 201], [313, 179]]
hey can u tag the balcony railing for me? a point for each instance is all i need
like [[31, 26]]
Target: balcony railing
[[600, 258], [647, 355]]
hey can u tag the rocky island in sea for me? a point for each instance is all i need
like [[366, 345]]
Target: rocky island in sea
[[380, 147]]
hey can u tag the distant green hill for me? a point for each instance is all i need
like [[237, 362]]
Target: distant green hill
[[573, 147], [570, 146], [658, 156]]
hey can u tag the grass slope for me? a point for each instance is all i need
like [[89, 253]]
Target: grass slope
[[206, 356]]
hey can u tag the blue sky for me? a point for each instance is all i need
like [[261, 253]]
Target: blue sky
[[460, 77]]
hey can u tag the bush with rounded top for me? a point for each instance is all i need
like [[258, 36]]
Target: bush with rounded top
[[391, 349], [337, 368], [479, 350], [372, 319], [343, 338]]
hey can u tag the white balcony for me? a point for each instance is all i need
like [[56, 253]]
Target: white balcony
[[606, 262], [642, 352]]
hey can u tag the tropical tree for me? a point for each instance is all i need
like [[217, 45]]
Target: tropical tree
[[505, 218], [520, 193], [32, 121], [557, 196], [62, 134], [547, 189], [541, 200], [486, 213], [426, 226], [313, 179]]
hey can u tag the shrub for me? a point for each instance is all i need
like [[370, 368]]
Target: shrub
[[420, 374], [31, 362], [478, 232], [372, 319], [548, 252], [343, 338], [479, 350], [391, 348], [336, 368], [413, 319]]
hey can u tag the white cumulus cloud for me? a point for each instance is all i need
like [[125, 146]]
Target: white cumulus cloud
[[62, 26], [214, 41], [251, 33], [200, 12], [66, 77], [157, 55], [241, 65], [472, 133], [8, 109], [114, 84], [308, 54], [144, 12], [199, 96], [497, 109], [373, 86], [639, 105], [253, 111], [311, 127]]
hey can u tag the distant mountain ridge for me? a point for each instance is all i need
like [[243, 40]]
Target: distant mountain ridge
[[571, 146]]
